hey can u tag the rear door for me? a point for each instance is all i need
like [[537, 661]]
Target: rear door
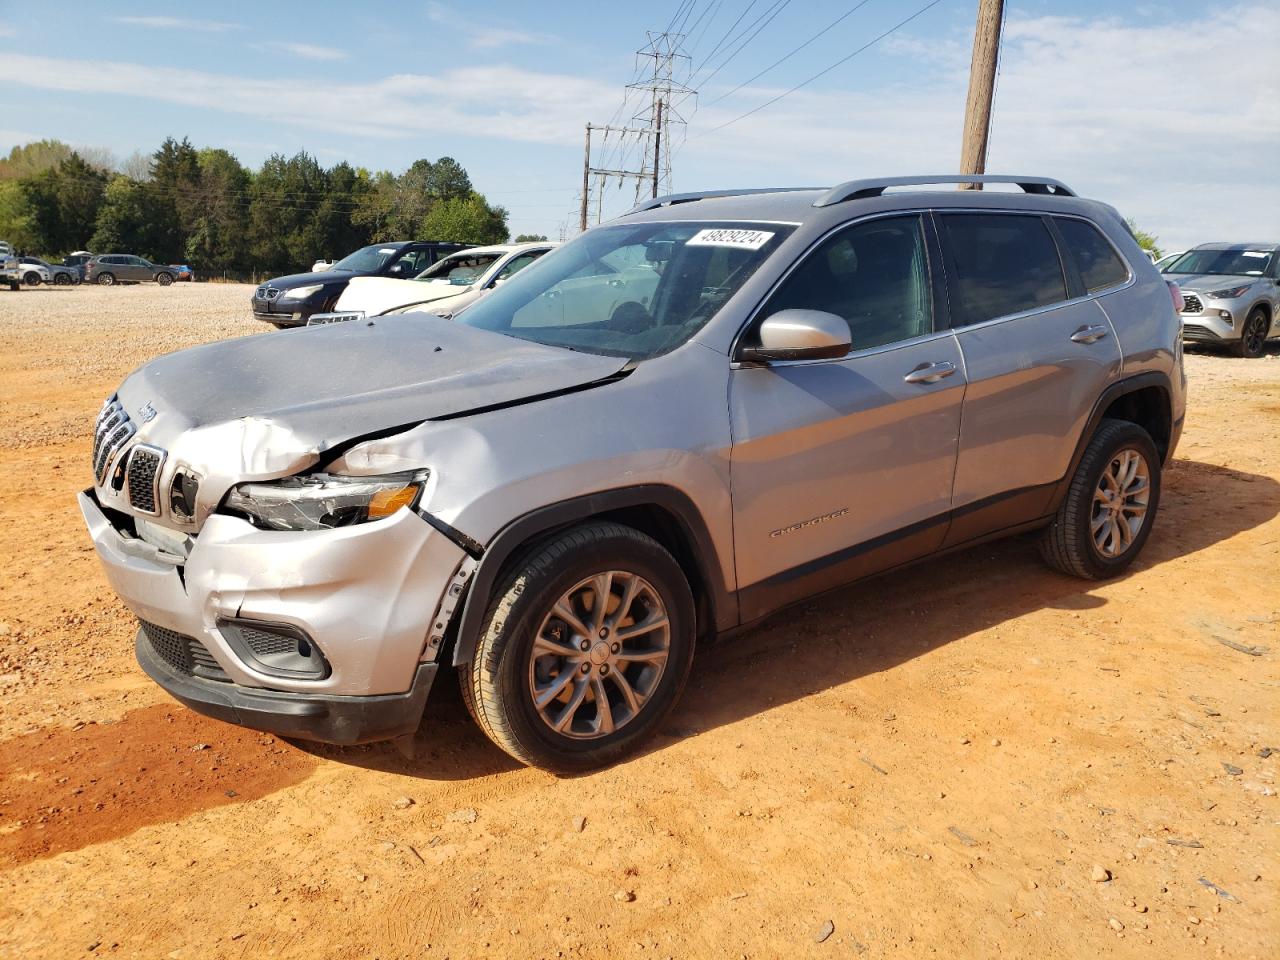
[[1038, 352], [842, 467], [137, 268]]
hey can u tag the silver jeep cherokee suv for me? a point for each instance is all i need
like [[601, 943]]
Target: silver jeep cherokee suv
[[673, 426]]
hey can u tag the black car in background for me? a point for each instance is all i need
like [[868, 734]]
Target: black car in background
[[290, 301], [76, 262]]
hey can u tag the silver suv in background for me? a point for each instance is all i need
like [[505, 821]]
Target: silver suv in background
[[112, 268], [1230, 294], [568, 486]]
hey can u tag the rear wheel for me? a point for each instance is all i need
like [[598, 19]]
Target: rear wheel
[[61, 280], [107, 279], [31, 278], [164, 279], [1253, 337], [584, 650], [1106, 516]]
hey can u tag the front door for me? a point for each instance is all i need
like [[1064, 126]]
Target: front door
[[843, 467]]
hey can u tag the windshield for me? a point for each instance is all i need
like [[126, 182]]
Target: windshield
[[635, 290], [460, 268], [367, 259], [1226, 263]]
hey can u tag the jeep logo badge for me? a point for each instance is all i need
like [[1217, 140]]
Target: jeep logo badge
[[147, 412]]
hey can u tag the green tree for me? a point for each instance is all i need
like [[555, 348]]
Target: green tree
[[15, 216], [1147, 241], [529, 238], [62, 204], [467, 219], [124, 222], [32, 158]]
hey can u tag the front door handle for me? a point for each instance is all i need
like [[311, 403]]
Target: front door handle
[[1089, 334], [931, 372]]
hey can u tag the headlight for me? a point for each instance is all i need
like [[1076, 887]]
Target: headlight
[[1230, 293], [301, 293], [323, 500]]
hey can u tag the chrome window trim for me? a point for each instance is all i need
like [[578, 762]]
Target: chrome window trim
[[160, 456]]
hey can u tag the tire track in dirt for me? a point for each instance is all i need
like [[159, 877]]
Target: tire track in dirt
[[66, 788]]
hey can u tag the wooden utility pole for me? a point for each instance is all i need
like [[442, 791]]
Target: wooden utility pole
[[586, 180], [982, 82], [657, 148]]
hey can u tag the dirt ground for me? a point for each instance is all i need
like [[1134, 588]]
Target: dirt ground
[[973, 758]]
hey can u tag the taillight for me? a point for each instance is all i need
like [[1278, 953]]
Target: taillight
[[1176, 293]]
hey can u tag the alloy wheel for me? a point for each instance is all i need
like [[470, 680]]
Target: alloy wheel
[[599, 655], [1120, 503], [1255, 334]]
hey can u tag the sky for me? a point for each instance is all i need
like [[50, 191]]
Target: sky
[[1169, 111]]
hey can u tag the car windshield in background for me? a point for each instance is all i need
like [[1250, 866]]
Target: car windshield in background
[[367, 259], [459, 268], [634, 291], [1227, 263]]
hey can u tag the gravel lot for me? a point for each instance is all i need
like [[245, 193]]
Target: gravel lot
[[972, 758]]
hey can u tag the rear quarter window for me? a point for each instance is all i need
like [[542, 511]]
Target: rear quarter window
[[1099, 264], [1001, 264]]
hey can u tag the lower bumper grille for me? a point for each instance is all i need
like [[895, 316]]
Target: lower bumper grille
[[184, 654], [1192, 332]]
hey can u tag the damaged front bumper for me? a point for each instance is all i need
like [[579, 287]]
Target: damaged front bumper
[[367, 597]]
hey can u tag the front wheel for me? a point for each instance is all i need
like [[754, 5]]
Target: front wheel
[[164, 279], [107, 279], [1106, 516], [1253, 336], [584, 650], [31, 278], [62, 280]]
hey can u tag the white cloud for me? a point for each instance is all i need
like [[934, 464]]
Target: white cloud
[[503, 102], [482, 35], [1120, 110], [309, 51], [179, 23], [7, 31]]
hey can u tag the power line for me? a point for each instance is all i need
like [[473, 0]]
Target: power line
[[781, 60], [714, 8], [822, 73], [720, 42], [771, 14]]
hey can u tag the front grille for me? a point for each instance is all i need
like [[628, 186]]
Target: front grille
[[144, 465], [109, 434], [184, 654], [265, 292], [1191, 303]]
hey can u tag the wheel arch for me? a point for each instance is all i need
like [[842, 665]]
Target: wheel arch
[[661, 512], [1145, 399]]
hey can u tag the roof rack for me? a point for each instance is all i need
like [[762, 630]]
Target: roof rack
[[672, 199], [863, 189]]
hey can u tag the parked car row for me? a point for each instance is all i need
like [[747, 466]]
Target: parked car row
[[1230, 294], [81, 266]]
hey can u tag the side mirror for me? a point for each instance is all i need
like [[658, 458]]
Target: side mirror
[[800, 335]]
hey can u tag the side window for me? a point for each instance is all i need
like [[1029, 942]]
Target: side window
[[875, 275], [1003, 263], [518, 264], [1099, 264]]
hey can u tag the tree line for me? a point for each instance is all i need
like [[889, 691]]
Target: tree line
[[203, 207]]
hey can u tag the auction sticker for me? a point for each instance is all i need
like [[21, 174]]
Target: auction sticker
[[742, 239]]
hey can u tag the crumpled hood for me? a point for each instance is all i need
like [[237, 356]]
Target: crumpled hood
[[1204, 282], [282, 396]]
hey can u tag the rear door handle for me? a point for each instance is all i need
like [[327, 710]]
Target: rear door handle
[[1089, 334], [931, 372]]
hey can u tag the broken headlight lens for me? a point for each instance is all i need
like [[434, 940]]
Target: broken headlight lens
[[321, 501]]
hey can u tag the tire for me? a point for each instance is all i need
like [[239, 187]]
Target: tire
[[1253, 335], [1070, 543], [106, 279], [31, 279], [61, 280], [499, 683], [164, 279]]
